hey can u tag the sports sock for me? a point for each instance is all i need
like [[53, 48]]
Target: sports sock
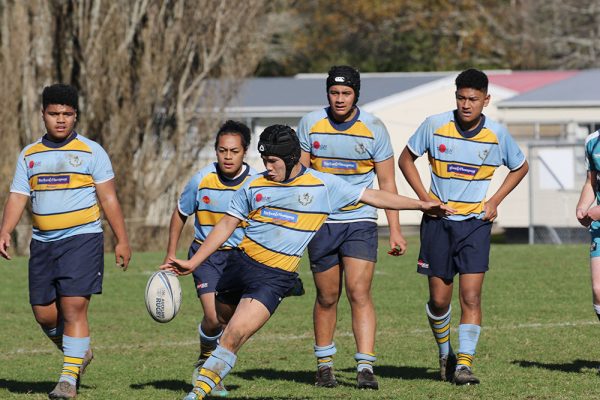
[[440, 326], [597, 309], [324, 355], [207, 343], [364, 361], [74, 350], [214, 371], [468, 336], [55, 334]]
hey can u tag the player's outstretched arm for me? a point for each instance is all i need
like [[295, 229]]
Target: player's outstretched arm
[[386, 178], [107, 195], [406, 163], [175, 228], [386, 200], [13, 209], [586, 199], [220, 233]]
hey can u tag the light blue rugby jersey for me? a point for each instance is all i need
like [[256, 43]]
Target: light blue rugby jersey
[[60, 179], [463, 163], [207, 196], [592, 161], [348, 150], [284, 216]]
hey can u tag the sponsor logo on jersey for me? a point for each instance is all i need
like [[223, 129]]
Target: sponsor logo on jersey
[[462, 170], [260, 197], [279, 215], [442, 148], [32, 164], [305, 199], [206, 199], [422, 264], [54, 180], [337, 164]]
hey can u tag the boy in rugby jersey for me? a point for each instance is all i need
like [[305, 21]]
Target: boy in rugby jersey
[[284, 207], [588, 212], [65, 175], [464, 149], [207, 196], [355, 145]]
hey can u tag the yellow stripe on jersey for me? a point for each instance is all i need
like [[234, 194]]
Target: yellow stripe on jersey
[[66, 180], [269, 258], [304, 179], [357, 129], [462, 208], [449, 131], [452, 169], [210, 375], [209, 217], [212, 181], [341, 167], [353, 207], [73, 145], [305, 221], [66, 220]]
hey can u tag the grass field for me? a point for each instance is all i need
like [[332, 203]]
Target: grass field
[[539, 337]]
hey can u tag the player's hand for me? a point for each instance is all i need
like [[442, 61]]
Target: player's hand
[[594, 213], [398, 244], [490, 211], [436, 209], [4, 245], [583, 217], [180, 267], [122, 255]]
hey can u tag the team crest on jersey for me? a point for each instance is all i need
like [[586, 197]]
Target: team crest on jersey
[[305, 199], [74, 160], [360, 148], [483, 154]]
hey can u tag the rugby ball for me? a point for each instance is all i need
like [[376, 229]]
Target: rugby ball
[[163, 296]]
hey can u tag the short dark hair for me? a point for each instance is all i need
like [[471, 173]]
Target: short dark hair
[[60, 93], [473, 79], [235, 127]]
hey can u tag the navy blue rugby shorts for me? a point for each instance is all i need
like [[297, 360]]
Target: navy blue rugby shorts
[[209, 272], [246, 278], [454, 247], [73, 266], [334, 241]]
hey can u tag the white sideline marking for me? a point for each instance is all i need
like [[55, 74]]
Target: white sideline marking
[[309, 335]]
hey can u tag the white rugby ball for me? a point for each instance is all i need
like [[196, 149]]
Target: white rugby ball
[[163, 296]]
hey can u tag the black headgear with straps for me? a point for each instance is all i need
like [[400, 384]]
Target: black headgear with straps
[[280, 141], [344, 75]]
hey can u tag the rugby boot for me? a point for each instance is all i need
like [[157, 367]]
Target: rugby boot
[[447, 367], [63, 390], [366, 380], [464, 376], [325, 377]]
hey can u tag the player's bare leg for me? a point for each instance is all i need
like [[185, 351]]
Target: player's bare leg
[[329, 288], [358, 277]]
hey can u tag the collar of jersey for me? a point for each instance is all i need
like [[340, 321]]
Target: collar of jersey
[[342, 126], [469, 134], [57, 145]]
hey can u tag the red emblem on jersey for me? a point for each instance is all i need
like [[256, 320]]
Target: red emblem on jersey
[[206, 199], [442, 148], [259, 197], [31, 164], [316, 145]]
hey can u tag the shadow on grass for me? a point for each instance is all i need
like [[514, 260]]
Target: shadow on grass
[[305, 377], [171, 384], [574, 366], [402, 372], [26, 387]]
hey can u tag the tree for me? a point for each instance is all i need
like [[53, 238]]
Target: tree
[[147, 71]]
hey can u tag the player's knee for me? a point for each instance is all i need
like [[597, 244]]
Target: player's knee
[[359, 297], [470, 300], [438, 305], [327, 300]]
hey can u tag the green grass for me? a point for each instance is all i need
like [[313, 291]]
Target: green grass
[[539, 337]]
